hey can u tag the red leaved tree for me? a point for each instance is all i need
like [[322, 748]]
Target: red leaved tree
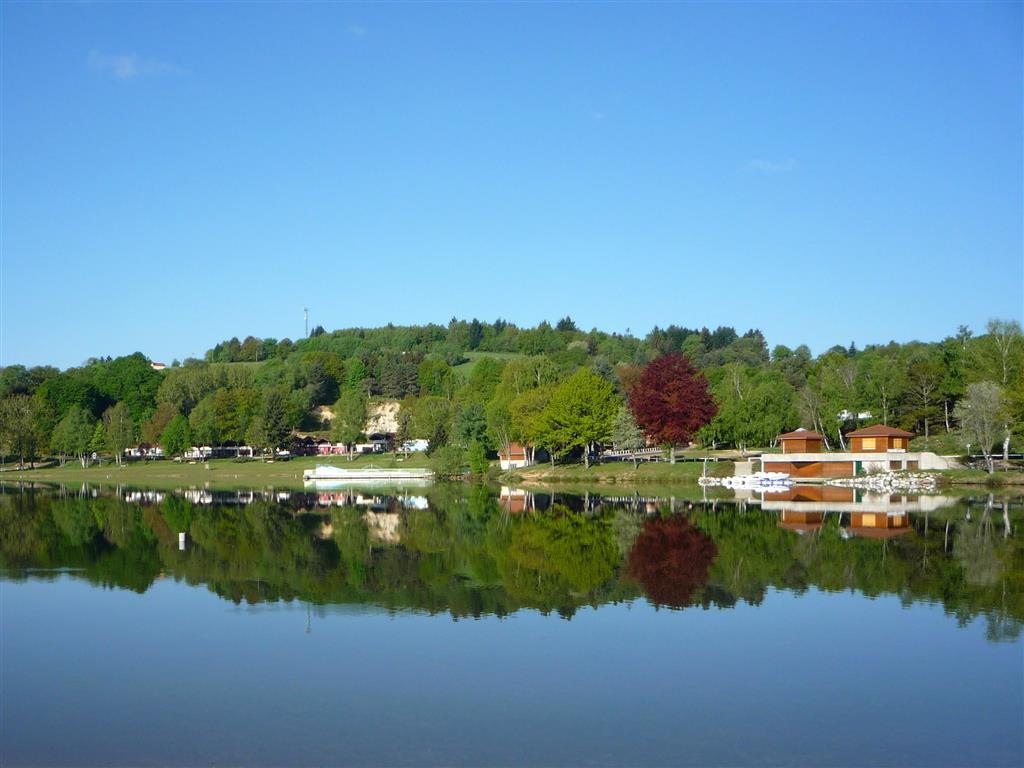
[[670, 401]]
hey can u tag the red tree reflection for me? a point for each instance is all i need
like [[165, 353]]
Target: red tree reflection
[[671, 558]]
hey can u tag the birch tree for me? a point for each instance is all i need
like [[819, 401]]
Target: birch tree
[[981, 414]]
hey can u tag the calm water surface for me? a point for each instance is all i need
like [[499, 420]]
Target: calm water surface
[[455, 625]]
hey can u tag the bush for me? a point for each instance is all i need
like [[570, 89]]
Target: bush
[[447, 461], [477, 458]]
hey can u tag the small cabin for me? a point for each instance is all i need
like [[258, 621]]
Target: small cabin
[[801, 441], [879, 439], [513, 458]]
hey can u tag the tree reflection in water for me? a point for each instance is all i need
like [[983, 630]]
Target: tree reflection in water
[[458, 550], [671, 558]]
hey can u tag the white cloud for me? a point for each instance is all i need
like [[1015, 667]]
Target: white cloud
[[771, 166], [128, 66]]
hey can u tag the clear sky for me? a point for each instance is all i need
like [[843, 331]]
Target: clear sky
[[177, 174]]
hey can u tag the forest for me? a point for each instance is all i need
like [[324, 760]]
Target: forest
[[471, 387]]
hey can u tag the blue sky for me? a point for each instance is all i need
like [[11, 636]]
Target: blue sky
[[173, 175]]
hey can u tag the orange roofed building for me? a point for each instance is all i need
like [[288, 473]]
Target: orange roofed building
[[873, 449], [801, 441], [879, 438], [514, 457]]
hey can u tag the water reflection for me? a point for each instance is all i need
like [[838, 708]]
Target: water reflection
[[473, 550]]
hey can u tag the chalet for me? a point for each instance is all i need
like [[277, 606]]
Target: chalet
[[157, 366], [801, 441], [879, 439], [514, 457], [872, 449]]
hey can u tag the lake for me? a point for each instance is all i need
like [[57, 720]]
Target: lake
[[469, 625]]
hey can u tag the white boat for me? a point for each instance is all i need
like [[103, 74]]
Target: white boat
[[758, 481], [325, 473]]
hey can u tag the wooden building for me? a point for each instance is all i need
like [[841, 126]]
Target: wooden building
[[879, 439], [879, 524], [801, 520], [801, 441], [872, 449]]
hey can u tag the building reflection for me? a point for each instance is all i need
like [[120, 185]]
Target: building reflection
[[805, 508]]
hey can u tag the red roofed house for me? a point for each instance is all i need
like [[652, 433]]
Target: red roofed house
[[514, 457]]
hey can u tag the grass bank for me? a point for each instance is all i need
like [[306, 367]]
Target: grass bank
[[979, 477], [222, 474]]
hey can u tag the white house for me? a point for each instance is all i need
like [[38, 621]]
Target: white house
[[514, 458]]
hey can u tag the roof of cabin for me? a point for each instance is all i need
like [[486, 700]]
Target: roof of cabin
[[880, 430], [802, 434], [515, 451]]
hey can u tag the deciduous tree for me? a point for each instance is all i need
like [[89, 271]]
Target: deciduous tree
[[580, 413], [72, 435], [626, 434], [671, 401], [176, 437], [981, 414], [17, 427], [349, 419], [117, 420]]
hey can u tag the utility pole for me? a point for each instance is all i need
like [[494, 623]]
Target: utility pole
[[306, 313]]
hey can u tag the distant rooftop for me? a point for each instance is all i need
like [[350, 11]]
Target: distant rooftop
[[802, 434], [880, 430]]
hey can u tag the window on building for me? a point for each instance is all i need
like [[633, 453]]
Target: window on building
[[868, 444]]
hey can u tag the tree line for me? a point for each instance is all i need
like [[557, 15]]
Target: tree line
[[474, 387]]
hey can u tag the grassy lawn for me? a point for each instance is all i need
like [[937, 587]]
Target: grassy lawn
[[981, 477], [619, 473], [222, 473], [941, 443]]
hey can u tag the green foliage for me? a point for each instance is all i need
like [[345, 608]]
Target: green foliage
[[349, 417], [470, 424], [276, 418], [73, 433], [580, 413], [445, 374], [176, 437], [476, 457], [18, 435], [203, 421], [120, 431], [447, 461], [626, 435]]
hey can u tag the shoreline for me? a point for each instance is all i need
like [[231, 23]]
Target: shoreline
[[229, 474]]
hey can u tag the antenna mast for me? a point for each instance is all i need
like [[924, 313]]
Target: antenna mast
[[306, 313]]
